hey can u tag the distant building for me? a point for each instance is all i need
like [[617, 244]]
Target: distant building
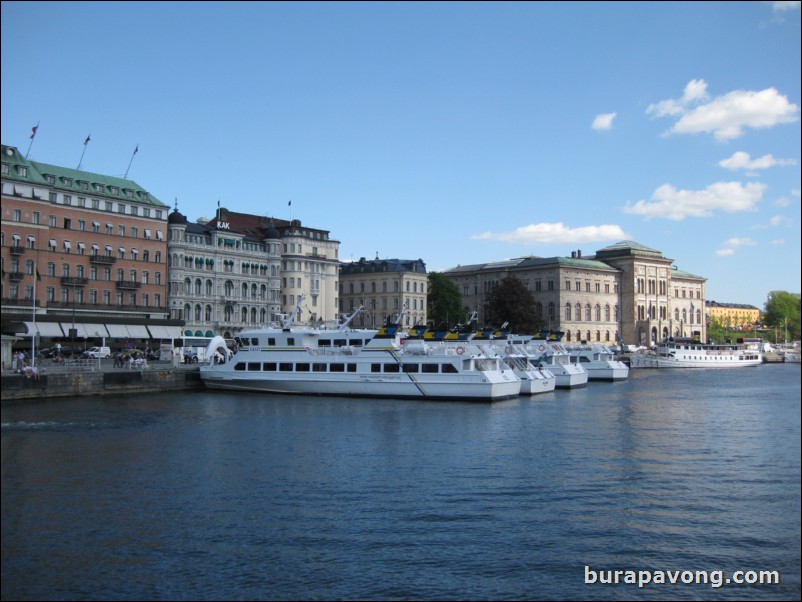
[[384, 287], [626, 293], [733, 315]]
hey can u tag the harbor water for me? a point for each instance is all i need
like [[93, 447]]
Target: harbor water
[[684, 476]]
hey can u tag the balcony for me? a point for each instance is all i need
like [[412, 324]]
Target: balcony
[[102, 259], [73, 281], [16, 276], [128, 284], [17, 250]]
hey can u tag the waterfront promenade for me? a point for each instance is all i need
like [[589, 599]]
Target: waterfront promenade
[[97, 377]]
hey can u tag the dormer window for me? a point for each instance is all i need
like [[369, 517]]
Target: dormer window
[[22, 170]]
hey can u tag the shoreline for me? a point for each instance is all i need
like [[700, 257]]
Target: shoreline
[[54, 383]]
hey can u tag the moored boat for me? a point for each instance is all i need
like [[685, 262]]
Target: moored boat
[[599, 360], [356, 364], [689, 352]]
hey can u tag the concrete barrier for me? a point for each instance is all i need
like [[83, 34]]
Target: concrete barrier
[[16, 387]]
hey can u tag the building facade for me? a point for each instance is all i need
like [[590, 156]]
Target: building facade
[[84, 255], [240, 271], [383, 287], [733, 315], [626, 293]]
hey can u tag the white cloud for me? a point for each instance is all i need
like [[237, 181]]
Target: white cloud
[[604, 121], [732, 244], [740, 242], [780, 6], [742, 160], [669, 203], [778, 242], [725, 116], [555, 234]]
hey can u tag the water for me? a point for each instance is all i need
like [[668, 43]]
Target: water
[[238, 496]]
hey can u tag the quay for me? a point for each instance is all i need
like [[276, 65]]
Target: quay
[[98, 377]]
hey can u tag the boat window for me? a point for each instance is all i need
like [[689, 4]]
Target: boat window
[[430, 368], [411, 368], [302, 367], [340, 342], [285, 367], [240, 367], [269, 366], [318, 367], [271, 341], [337, 368], [392, 368], [375, 368], [449, 369], [254, 367], [351, 367], [291, 341]]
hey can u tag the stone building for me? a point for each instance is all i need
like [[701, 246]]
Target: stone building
[[626, 293], [240, 271], [384, 287]]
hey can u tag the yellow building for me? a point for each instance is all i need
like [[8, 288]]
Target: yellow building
[[733, 315]]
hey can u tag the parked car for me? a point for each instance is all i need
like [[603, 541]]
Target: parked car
[[98, 352]]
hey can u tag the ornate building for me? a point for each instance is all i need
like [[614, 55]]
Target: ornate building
[[84, 255], [626, 293], [384, 287], [240, 271]]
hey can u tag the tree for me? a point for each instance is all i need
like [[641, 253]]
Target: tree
[[444, 301], [512, 302], [782, 311]]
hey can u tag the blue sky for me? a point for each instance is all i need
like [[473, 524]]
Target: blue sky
[[453, 132]]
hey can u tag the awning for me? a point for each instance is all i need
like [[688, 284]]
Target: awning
[[137, 332], [45, 329], [95, 247], [164, 332], [85, 331], [67, 245], [117, 330]]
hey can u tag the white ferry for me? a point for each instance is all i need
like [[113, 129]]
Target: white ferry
[[493, 343], [356, 363], [689, 352], [547, 351], [599, 360]]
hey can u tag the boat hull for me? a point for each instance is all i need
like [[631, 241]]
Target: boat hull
[[645, 360], [489, 387]]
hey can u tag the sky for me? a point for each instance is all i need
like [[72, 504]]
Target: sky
[[456, 133]]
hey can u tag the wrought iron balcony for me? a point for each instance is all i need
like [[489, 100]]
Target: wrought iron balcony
[[73, 281], [102, 259], [17, 250], [131, 284]]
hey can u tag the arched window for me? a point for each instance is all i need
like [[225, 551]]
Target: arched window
[[244, 314], [198, 313], [578, 313], [209, 288], [208, 313], [567, 312], [198, 287]]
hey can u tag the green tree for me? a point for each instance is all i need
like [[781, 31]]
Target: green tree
[[444, 301], [782, 311], [512, 302]]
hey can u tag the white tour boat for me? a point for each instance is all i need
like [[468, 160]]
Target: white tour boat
[[355, 363], [599, 360], [547, 351], [689, 352]]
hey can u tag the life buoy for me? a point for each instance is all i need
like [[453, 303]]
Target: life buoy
[[460, 350], [509, 349], [541, 348]]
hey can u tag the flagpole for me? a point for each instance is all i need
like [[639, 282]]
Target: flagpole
[[83, 151], [33, 135], [33, 310], [136, 150]]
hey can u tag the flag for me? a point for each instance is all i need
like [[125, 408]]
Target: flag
[[136, 150], [33, 131], [87, 139], [38, 275], [289, 204]]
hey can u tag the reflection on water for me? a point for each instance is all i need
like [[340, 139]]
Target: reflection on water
[[242, 496]]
